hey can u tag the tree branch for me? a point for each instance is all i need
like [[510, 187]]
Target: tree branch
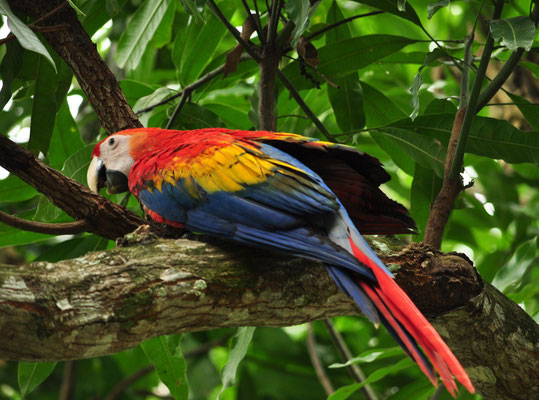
[[76, 48], [102, 216], [109, 301], [66, 228]]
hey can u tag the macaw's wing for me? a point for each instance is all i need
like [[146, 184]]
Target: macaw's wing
[[353, 176], [253, 195]]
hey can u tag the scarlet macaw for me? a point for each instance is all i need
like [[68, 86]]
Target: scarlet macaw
[[284, 192]]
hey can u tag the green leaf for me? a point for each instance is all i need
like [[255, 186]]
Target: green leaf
[[425, 188], [195, 45], [191, 7], [514, 32], [298, 12], [73, 248], [510, 275], [346, 391], [31, 375], [347, 102], [163, 33], [15, 189], [232, 117], [340, 32], [529, 111], [11, 64], [418, 80], [135, 90], [379, 109], [342, 58], [370, 356], [139, 32], [391, 6], [165, 354], [193, 116], [26, 37], [488, 137], [43, 108], [240, 343], [414, 90], [433, 8], [65, 139], [425, 150]]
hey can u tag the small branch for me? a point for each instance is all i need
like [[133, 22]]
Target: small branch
[[247, 45], [295, 94], [104, 218], [273, 22], [193, 86], [443, 204], [472, 101], [323, 378], [69, 379], [344, 21], [67, 228], [125, 383], [353, 369], [186, 94], [255, 22]]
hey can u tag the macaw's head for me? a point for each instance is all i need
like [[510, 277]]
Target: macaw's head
[[113, 158]]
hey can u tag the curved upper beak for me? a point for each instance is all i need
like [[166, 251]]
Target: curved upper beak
[[98, 176]]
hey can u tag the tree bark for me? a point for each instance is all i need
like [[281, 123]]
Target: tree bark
[[104, 217], [110, 301]]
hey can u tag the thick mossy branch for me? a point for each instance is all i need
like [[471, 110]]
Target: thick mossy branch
[[110, 301]]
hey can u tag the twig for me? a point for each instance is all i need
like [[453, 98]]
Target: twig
[[186, 94], [344, 21], [472, 101], [452, 183], [125, 383], [195, 85], [437, 392], [353, 369], [273, 21], [295, 94], [67, 228], [255, 22], [497, 82], [68, 380], [247, 45], [317, 364]]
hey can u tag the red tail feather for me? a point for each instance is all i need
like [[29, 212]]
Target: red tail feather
[[395, 305]]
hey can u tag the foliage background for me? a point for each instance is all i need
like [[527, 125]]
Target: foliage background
[[155, 47]]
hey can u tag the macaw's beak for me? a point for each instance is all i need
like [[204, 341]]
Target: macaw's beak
[[98, 176]]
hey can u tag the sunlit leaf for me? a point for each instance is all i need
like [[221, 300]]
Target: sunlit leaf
[[165, 354], [369, 356], [26, 37], [488, 137], [392, 7], [238, 350], [139, 32], [341, 58]]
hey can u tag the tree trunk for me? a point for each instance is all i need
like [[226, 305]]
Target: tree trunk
[[110, 301]]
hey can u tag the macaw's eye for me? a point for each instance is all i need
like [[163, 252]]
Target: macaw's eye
[[111, 141]]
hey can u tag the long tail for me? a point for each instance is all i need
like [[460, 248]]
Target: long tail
[[387, 303]]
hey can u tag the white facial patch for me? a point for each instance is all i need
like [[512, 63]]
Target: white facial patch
[[115, 154]]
